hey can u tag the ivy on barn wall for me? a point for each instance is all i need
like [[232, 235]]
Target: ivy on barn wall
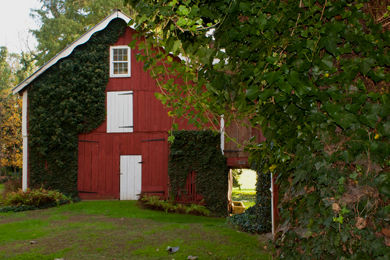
[[68, 99], [200, 152]]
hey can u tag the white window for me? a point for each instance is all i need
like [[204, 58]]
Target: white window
[[120, 61], [120, 112]]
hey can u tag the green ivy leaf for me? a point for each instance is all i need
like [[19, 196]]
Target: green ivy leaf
[[366, 64], [330, 42], [252, 93], [327, 62]]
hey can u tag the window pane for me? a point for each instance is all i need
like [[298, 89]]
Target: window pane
[[120, 55], [120, 68], [120, 61]]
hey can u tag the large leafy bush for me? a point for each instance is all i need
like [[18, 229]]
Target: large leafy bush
[[314, 76], [32, 197], [156, 203]]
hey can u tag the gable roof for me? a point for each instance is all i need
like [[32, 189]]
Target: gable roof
[[69, 49]]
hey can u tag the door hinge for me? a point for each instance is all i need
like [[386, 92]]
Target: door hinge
[[141, 162]]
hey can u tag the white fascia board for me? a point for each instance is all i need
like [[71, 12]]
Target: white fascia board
[[68, 50]]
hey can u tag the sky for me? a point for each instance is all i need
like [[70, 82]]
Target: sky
[[15, 21]]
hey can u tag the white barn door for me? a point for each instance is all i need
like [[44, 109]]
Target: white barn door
[[130, 176]]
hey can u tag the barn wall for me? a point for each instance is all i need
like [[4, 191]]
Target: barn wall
[[99, 162], [236, 157], [99, 151]]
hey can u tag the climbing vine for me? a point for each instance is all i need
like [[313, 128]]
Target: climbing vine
[[68, 99], [314, 75], [200, 152]]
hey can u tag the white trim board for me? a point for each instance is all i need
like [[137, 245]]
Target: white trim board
[[68, 50], [25, 142]]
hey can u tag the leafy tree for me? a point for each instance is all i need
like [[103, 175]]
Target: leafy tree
[[64, 21], [11, 126], [11, 72], [314, 75], [5, 69]]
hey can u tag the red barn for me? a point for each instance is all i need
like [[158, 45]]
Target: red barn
[[128, 152]]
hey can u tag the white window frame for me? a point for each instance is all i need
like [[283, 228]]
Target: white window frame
[[128, 74], [120, 116]]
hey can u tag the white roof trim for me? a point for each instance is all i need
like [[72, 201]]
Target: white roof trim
[[68, 50]]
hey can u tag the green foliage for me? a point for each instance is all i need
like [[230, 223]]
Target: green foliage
[[10, 112], [200, 152], [64, 21], [32, 197], [314, 76], [20, 208], [154, 202], [4, 179], [256, 219], [12, 185], [5, 70], [68, 99], [236, 178]]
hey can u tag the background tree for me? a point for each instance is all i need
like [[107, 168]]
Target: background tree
[[64, 21], [314, 75], [13, 69], [11, 126]]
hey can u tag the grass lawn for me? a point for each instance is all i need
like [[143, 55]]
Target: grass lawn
[[120, 230], [247, 196], [1, 187]]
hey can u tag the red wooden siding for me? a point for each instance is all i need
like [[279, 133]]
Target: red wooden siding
[[99, 151], [99, 162], [236, 157]]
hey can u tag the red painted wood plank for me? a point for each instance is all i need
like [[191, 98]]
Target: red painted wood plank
[[146, 160], [88, 164], [238, 162], [115, 169], [102, 164], [95, 164], [160, 158], [130, 144], [156, 146], [138, 125], [109, 164], [81, 164], [165, 164], [146, 120], [136, 109]]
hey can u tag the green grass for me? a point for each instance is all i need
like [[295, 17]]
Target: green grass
[[1, 187], [248, 197], [121, 230]]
